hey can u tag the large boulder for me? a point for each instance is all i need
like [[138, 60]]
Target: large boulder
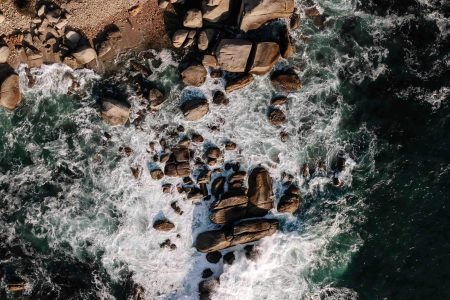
[[260, 194], [215, 11], [194, 75], [205, 38], [193, 19], [10, 96], [163, 225], [255, 13], [233, 54], [115, 112], [4, 54], [240, 233], [179, 37], [289, 203], [266, 55], [195, 109], [286, 80], [229, 214], [84, 55]]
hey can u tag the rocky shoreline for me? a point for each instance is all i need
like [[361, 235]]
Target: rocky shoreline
[[231, 42]]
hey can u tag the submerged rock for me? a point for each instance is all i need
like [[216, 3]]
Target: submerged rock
[[286, 80], [213, 257], [115, 112]]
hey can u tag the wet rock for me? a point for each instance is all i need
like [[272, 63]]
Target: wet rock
[[294, 22], [233, 54], [193, 19], [84, 55], [195, 109], [10, 95], [157, 174], [167, 188], [183, 169], [136, 172], [260, 192], [179, 37], [312, 11], [197, 138], [266, 55], [238, 82], [168, 244], [156, 98], [230, 146], [213, 257], [240, 233], [216, 73], [287, 47], [229, 214], [284, 136], [289, 203], [72, 39], [213, 152], [4, 54], [163, 225], [194, 75], [217, 186], [251, 253], [229, 258], [115, 112], [176, 208], [216, 11], [279, 100], [209, 61], [220, 98], [255, 13], [205, 38], [277, 117], [286, 80], [207, 273], [206, 287]]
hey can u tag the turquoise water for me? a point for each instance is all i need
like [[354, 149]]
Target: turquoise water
[[75, 223]]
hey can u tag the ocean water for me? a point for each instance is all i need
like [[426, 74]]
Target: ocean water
[[76, 224]]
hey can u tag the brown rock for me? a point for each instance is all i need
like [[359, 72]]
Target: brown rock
[[255, 13], [195, 109], [209, 61], [193, 19], [181, 154], [217, 186], [278, 100], [10, 96], [170, 170], [197, 138], [295, 21], [312, 11], [289, 203], [183, 169], [211, 241], [286, 80], [233, 54], [230, 146], [4, 54], [194, 75], [156, 98], [286, 44], [84, 55], [216, 11], [163, 225], [115, 112], [277, 117], [266, 55], [260, 192], [205, 38], [230, 202], [157, 174], [239, 82], [179, 37], [213, 152], [229, 214]]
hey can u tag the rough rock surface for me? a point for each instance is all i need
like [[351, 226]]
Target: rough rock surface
[[216, 11], [241, 233], [260, 194], [194, 75], [10, 96], [286, 80], [233, 54], [195, 109], [255, 13], [266, 55]]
